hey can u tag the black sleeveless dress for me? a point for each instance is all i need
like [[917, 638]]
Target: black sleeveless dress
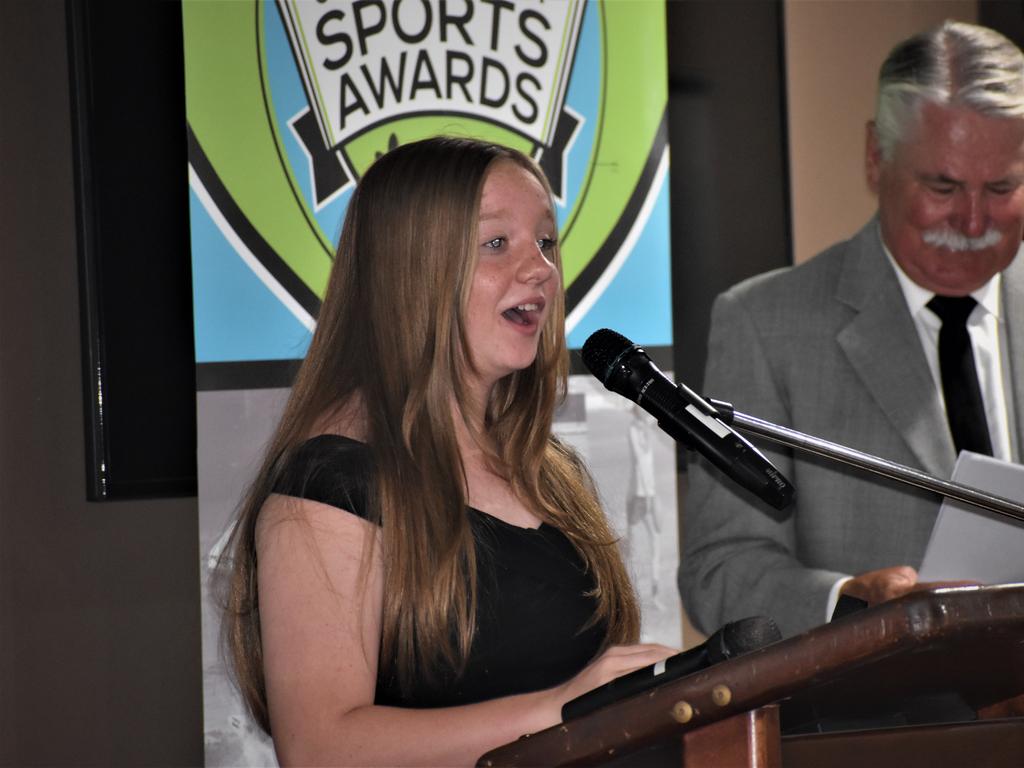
[[533, 599]]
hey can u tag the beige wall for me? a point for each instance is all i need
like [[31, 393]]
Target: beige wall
[[833, 52]]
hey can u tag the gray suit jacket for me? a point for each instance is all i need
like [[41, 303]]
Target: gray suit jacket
[[830, 349]]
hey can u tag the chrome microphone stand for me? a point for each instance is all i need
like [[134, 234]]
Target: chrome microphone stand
[[866, 461]]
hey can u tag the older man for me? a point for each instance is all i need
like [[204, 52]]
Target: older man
[[852, 347]]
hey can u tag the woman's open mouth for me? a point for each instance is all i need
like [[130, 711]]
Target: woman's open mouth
[[523, 314]]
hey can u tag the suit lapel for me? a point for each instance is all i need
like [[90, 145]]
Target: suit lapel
[[1013, 306], [882, 345]]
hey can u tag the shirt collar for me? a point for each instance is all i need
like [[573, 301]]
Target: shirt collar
[[916, 296]]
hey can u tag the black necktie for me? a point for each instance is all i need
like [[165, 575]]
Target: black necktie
[[964, 408]]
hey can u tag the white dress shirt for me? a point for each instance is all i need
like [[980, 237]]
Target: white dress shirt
[[987, 328]]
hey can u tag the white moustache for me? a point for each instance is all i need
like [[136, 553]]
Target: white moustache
[[952, 240]]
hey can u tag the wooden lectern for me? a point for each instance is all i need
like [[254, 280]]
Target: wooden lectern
[[930, 679]]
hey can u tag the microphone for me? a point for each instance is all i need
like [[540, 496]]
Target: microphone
[[625, 368], [732, 640]]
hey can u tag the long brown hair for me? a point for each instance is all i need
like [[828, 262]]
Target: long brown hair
[[391, 331]]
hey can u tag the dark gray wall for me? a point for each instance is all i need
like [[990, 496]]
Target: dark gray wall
[[730, 178], [1005, 17], [99, 603]]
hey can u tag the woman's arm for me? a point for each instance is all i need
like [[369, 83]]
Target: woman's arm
[[320, 614]]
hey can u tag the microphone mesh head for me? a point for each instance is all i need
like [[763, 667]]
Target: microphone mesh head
[[600, 351], [745, 635]]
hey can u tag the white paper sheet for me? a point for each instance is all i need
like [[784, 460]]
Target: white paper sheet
[[969, 543]]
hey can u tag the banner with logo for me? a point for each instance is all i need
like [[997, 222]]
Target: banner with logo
[[289, 102]]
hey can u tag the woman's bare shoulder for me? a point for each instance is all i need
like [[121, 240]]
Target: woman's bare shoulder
[[283, 515]]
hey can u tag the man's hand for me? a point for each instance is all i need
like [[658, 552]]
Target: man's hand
[[881, 585], [887, 583]]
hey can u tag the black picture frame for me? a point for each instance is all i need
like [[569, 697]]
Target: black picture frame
[[126, 63]]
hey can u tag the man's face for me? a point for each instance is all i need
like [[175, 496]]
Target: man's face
[[951, 197]]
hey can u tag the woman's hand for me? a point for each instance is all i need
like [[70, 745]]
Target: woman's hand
[[616, 661]]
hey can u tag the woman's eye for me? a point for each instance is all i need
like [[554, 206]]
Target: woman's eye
[[497, 242], [546, 244]]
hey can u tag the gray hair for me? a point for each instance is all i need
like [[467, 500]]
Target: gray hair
[[954, 64]]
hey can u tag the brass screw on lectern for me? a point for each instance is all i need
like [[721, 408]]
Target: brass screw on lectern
[[721, 695], [682, 712]]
